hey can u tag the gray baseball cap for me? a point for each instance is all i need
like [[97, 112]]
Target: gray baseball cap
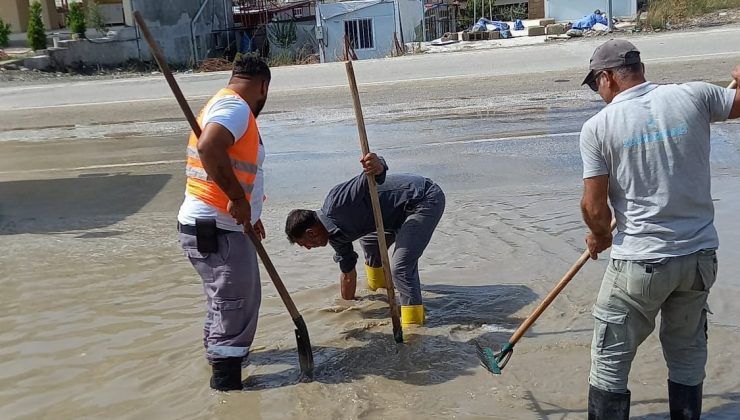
[[611, 54]]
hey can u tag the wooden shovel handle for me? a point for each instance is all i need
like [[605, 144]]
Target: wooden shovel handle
[[574, 269], [159, 57], [383, 246]]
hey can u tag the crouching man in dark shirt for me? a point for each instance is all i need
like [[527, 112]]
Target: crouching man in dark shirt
[[412, 205]]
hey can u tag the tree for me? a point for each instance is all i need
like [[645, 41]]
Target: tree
[[95, 17], [36, 35], [4, 33], [76, 19]]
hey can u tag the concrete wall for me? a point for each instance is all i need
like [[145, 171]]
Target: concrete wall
[[575, 9], [536, 9], [170, 23], [113, 13], [15, 12], [411, 12], [108, 51], [384, 24]]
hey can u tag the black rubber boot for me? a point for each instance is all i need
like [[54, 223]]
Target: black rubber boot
[[603, 405], [227, 374], [684, 401]]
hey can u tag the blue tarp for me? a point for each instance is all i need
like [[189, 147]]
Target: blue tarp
[[588, 22], [484, 24], [518, 25]]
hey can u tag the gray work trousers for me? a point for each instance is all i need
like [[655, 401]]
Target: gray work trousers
[[231, 281], [632, 293], [411, 240]]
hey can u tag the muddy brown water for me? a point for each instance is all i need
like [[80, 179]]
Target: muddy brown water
[[102, 313]]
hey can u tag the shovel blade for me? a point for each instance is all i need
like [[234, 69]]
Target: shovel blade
[[305, 352]]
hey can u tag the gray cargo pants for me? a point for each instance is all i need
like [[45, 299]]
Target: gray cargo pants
[[631, 295], [411, 240], [231, 281]]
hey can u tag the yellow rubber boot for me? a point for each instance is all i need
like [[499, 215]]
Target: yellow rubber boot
[[412, 315], [375, 278]]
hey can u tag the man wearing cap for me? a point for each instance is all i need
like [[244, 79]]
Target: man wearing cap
[[223, 197], [647, 153]]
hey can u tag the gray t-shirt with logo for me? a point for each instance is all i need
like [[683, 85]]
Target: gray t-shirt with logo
[[653, 142]]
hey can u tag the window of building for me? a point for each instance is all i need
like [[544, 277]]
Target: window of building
[[360, 33]]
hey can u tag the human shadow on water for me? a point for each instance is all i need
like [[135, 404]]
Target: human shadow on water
[[423, 359], [71, 204]]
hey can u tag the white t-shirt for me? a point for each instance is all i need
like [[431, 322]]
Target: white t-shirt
[[233, 114], [653, 141]]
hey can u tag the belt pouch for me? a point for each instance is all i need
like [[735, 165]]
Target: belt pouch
[[206, 235]]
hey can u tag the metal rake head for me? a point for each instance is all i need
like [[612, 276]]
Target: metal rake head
[[494, 362]]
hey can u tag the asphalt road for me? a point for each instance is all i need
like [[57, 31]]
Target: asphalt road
[[433, 70]]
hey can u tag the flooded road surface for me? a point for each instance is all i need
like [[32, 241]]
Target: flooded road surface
[[102, 313]]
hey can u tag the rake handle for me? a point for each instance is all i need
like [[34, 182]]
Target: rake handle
[[159, 57], [377, 213], [574, 269]]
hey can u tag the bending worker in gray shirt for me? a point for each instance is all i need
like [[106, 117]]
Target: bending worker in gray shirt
[[647, 151], [411, 205]]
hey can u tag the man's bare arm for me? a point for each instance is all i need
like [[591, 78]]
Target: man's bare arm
[[735, 112], [213, 147]]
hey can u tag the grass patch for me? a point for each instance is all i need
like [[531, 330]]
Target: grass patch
[[661, 12]]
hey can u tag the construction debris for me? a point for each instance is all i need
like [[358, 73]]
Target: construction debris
[[215, 64], [555, 29]]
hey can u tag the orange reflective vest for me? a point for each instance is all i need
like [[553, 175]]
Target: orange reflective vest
[[243, 154]]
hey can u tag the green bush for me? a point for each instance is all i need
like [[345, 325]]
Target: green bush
[[76, 19], [4, 33], [36, 35]]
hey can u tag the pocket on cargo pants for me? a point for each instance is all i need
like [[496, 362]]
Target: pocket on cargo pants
[[611, 355], [610, 331], [229, 317]]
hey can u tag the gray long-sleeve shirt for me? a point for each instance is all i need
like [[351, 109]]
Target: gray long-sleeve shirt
[[348, 213]]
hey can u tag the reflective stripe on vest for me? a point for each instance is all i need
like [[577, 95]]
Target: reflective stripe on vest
[[243, 155]]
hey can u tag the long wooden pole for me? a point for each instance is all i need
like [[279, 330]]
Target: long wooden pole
[[305, 351], [159, 58], [383, 246]]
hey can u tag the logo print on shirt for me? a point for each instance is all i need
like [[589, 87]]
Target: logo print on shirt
[[655, 136]]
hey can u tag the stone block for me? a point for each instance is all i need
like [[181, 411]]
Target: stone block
[[535, 31], [494, 35], [474, 36], [555, 29], [545, 22], [39, 62], [450, 36]]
